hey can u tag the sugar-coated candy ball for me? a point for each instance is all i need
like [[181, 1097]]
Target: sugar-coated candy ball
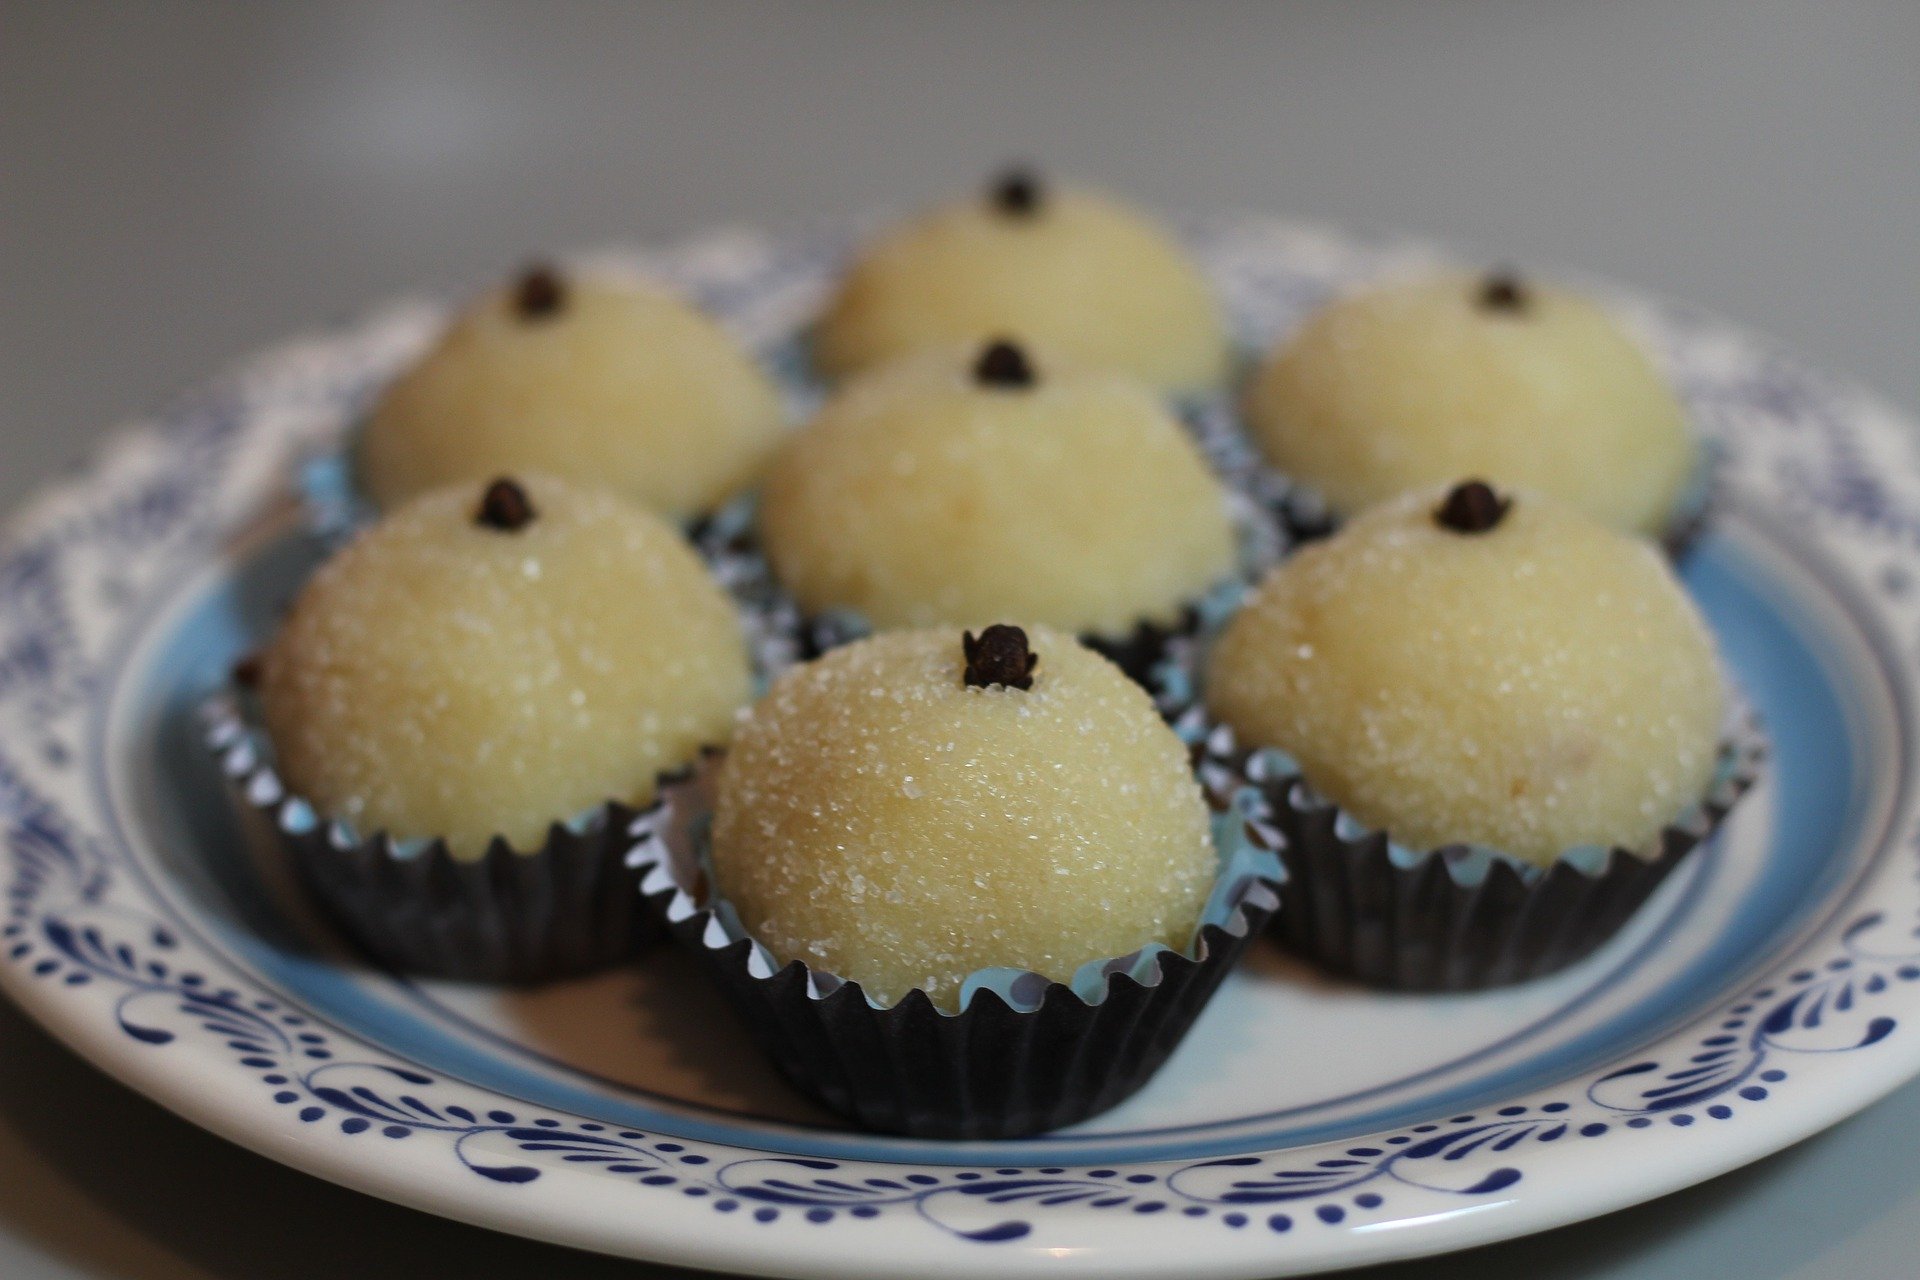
[[1461, 667], [1418, 383], [922, 804], [1065, 270], [593, 379], [489, 659], [959, 487]]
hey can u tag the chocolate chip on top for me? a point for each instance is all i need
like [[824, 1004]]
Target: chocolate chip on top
[[505, 507], [1004, 364], [1503, 290], [999, 655], [540, 293], [1018, 192], [1472, 507]]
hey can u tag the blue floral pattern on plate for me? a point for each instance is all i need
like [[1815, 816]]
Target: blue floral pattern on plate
[[57, 931]]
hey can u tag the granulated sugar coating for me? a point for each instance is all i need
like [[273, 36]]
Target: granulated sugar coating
[[1419, 383], [1067, 271], [926, 495], [1533, 687], [444, 677], [601, 382], [881, 820]]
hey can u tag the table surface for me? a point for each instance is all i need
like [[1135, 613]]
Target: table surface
[[180, 184]]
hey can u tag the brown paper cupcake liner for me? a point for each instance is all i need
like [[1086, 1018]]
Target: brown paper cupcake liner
[[570, 907], [1458, 918], [999, 1068]]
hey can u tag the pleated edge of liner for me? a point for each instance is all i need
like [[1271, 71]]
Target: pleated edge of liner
[[677, 908], [245, 765], [1743, 751]]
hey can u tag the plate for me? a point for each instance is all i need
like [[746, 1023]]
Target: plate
[[1770, 989]]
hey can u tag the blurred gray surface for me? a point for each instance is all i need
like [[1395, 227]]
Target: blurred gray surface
[[180, 184]]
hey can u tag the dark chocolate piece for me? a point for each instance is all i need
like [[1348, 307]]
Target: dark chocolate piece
[[1504, 290], [1002, 364], [1472, 507], [505, 507], [999, 656], [1018, 192], [540, 293]]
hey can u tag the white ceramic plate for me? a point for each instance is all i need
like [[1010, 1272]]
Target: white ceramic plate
[[1772, 988]]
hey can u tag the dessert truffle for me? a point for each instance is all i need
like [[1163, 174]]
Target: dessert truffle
[[957, 488], [591, 379], [1068, 271], [489, 659], [1418, 383], [1466, 667], [918, 805]]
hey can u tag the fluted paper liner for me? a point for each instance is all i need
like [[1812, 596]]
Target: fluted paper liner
[[1023, 1055], [1457, 918], [509, 916]]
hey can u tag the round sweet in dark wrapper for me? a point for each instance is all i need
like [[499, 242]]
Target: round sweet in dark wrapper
[[965, 486], [490, 659], [598, 380], [1471, 668], [916, 806], [1417, 383], [495, 673], [961, 885], [1498, 682], [1063, 269]]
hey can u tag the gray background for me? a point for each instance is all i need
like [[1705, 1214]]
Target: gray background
[[180, 184]]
